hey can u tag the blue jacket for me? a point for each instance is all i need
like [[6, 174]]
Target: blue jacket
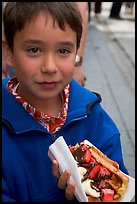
[[26, 167]]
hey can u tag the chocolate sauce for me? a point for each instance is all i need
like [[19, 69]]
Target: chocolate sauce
[[79, 155], [92, 185], [85, 176]]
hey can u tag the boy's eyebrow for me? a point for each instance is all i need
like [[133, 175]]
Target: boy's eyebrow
[[62, 43], [29, 41], [67, 43]]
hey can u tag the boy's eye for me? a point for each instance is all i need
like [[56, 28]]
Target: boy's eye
[[34, 50], [64, 51]]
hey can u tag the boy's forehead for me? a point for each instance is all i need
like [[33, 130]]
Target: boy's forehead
[[42, 29], [44, 18], [41, 16]]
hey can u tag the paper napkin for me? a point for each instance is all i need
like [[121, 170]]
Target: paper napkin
[[60, 151]]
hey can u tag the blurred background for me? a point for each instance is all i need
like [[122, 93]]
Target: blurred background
[[109, 65]]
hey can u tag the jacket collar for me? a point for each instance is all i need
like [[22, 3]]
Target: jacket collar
[[82, 99], [16, 118], [80, 102]]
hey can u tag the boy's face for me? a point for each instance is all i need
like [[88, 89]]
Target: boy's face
[[43, 58]]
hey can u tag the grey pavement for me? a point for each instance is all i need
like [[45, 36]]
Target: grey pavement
[[109, 65]]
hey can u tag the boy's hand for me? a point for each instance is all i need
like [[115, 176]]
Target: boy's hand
[[62, 181]]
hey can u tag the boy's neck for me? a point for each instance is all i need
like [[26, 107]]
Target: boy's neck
[[49, 106]]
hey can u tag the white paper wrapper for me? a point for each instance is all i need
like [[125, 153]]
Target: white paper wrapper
[[60, 151]]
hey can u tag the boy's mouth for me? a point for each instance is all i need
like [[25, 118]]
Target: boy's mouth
[[48, 85]]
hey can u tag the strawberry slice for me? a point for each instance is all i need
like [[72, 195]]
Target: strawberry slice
[[84, 147], [107, 195], [87, 156], [94, 172], [92, 160], [102, 183], [104, 172]]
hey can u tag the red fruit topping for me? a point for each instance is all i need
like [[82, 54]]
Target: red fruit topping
[[84, 147], [104, 172], [107, 195], [87, 156], [92, 160], [94, 172], [102, 183]]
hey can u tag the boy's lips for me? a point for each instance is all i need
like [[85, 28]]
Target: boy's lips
[[48, 85]]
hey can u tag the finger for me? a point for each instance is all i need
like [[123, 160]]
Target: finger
[[62, 182], [83, 83], [55, 169], [69, 193]]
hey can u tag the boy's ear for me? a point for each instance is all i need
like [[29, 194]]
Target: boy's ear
[[7, 53]]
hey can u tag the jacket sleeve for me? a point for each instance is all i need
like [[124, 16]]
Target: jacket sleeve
[[113, 149], [108, 138], [5, 193]]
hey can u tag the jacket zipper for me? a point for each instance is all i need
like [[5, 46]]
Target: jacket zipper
[[55, 136]]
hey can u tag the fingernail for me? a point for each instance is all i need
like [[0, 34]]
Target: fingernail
[[66, 172], [54, 162], [72, 183]]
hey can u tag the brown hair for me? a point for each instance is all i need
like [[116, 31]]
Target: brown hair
[[17, 14]]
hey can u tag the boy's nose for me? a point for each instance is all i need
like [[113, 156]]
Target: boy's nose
[[49, 65]]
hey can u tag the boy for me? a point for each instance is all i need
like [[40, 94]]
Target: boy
[[43, 102]]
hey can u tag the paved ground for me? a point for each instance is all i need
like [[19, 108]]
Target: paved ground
[[109, 64]]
